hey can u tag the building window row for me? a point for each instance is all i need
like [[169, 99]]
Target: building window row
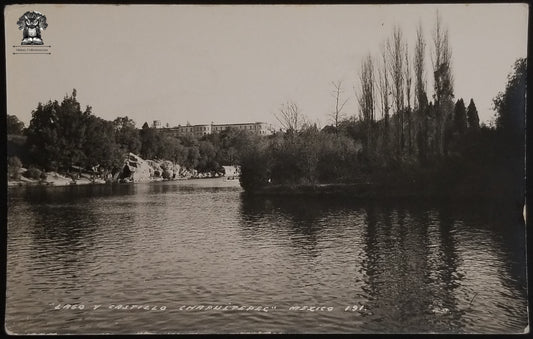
[[203, 130]]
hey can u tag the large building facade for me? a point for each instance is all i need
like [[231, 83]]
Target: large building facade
[[260, 128]]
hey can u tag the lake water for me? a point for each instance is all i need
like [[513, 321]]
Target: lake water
[[198, 256]]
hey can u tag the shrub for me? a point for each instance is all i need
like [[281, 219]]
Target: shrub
[[255, 164], [33, 173], [13, 167]]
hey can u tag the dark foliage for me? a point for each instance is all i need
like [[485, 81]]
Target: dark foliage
[[446, 151], [33, 173], [61, 135], [13, 167], [472, 116], [14, 125]]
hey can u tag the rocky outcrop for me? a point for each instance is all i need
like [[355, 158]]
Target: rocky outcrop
[[170, 170], [135, 169]]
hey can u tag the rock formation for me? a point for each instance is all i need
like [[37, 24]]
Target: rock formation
[[135, 169]]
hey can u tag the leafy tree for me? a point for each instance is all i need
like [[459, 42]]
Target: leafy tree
[[421, 99], [443, 78], [511, 109], [16, 146], [233, 143], [14, 125], [168, 148], [459, 119], [443, 83], [455, 129], [510, 105], [43, 135], [510, 127], [337, 158], [255, 165], [308, 149], [193, 157], [472, 116], [13, 167], [150, 142], [62, 135], [188, 140], [180, 153], [100, 147], [207, 161], [126, 135]]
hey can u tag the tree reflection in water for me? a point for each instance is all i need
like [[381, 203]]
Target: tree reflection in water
[[415, 269]]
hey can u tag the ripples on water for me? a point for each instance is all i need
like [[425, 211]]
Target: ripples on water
[[413, 267]]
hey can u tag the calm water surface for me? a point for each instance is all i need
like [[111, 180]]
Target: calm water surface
[[171, 247]]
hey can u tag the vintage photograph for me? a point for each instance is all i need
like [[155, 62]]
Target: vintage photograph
[[228, 169]]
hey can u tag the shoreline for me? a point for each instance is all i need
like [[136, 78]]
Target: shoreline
[[368, 191], [62, 181], [378, 191]]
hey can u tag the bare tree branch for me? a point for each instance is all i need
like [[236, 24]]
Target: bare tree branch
[[366, 97], [395, 48], [408, 77], [383, 84], [337, 116], [395, 64], [290, 117]]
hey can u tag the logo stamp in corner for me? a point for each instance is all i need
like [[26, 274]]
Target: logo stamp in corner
[[32, 24]]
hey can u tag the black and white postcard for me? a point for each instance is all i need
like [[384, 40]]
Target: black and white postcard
[[208, 169]]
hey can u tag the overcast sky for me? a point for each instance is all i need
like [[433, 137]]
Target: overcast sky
[[229, 64]]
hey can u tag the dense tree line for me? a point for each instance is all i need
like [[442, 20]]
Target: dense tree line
[[434, 140], [61, 136], [307, 156]]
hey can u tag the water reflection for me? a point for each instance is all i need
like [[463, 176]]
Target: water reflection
[[419, 265], [415, 267], [67, 194]]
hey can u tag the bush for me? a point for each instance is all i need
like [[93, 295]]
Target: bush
[[33, 173], [255, 164], [13, 167]]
